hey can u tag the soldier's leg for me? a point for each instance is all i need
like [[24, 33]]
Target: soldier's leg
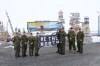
[[25, 50], [32, 49], [63, 49], [81, 47], [58, 48], [22, 51], [70, 46], [74, 47], [78, 46], [19, 51], [15, 51], [29, 50], [36, 50]]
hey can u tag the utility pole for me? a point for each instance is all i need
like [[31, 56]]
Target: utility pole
[[98, 22]]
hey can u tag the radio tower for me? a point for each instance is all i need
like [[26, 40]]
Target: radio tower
[[10, 22]]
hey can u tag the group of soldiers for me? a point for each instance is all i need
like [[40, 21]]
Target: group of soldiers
[[22, 42], [72, 36]]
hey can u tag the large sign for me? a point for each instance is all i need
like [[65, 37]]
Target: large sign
[[47, 25], [48, 40]]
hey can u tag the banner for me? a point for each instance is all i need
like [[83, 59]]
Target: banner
[[47, 40]]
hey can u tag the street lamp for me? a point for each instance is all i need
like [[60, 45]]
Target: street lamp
[[98, 22]]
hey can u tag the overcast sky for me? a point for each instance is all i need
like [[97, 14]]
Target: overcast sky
[[23, 11]]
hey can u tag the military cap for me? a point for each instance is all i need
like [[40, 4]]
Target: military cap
[[16, 33], [71, 28], [79, 28], [24, 32], [31, 33], [37, 33], [62, 28]]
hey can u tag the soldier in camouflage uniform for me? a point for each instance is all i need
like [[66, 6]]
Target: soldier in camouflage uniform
[[63, 34], [71, 39], [16, 40], [36, 45], [31, 40], [80, 38], [24, 41], [58, 37]]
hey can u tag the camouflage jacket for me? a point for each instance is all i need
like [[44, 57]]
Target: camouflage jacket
[[36, 40], [58, 35], [80, 36], [62, 36], [16, 40], [31, 40], [24, 39], [71, 35]]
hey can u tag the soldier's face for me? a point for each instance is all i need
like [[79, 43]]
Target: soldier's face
[[71, 29], [30, 34], [16, 34], [62, 30], [37, 34], [23, 33], [79, 30]]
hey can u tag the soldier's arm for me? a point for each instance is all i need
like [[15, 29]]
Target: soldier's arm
[[83, 36], [74, 34], [65, 34], [77, 36], [68, 35], [20, 39], [13, 39], [26, 39]]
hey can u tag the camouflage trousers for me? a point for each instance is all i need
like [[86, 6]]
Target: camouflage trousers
[[36, 47], [72, 45], [17, 50], [58, 47], [80, 46], [24, 49], [31, 49], [62, 47]]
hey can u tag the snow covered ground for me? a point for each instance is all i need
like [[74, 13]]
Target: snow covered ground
[[95, 39]]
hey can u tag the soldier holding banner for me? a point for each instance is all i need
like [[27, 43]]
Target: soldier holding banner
[[63, 34], [58, 37]]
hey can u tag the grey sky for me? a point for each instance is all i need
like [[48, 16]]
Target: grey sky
[[22, 11]]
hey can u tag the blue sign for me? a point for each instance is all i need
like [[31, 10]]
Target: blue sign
[[86, 19]]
